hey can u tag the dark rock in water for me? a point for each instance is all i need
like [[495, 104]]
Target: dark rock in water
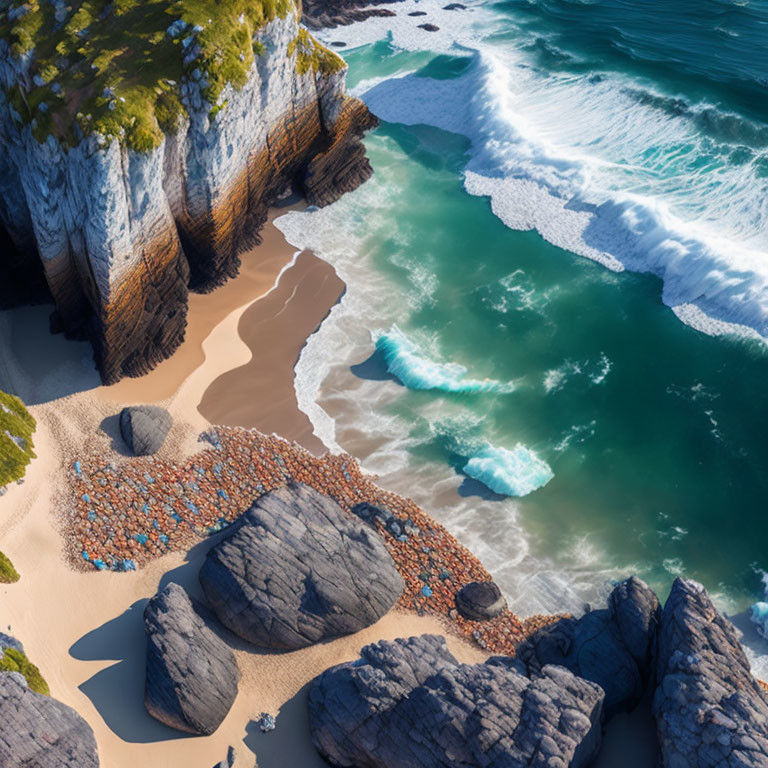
[[40, 732], [417, 13], [710, 710], [192, 674], [410, 703], [454, 7], [429, 27], [612, 647], [339, 44], [144, 428], [327, 14], [480, 601], [299, 570]]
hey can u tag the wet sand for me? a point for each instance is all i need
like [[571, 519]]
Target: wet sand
[[261, 393]]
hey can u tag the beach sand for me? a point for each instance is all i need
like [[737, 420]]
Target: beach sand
[[84, 628]]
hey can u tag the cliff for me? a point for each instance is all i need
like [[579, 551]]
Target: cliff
[[141, 145]]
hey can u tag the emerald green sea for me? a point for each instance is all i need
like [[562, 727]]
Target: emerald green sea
[[554, 412]]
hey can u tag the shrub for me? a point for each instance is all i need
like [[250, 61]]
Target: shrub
[[16, 448], [8, 574], [17, 661]]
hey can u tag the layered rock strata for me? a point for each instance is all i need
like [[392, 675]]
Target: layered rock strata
[[299, 570], [117, 237], [410, 703], [192, 675]]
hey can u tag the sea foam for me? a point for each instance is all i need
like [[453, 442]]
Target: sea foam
[[510, 473], [415, 370]]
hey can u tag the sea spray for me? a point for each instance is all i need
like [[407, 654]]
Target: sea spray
[[415, 370]]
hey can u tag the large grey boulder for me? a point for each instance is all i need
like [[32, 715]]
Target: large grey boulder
[[144, 428], [40, 732], [298, 570], [612, 647], [710, 711], [409, 703], [192, 675]]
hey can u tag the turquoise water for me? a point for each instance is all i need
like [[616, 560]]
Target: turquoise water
[[612, 436]]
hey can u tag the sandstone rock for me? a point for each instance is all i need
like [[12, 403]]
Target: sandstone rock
[[709, 709], [299, 570], [410, 703], [612, 647], [480, 601], [192, 674], [144, 428], [40, 732]]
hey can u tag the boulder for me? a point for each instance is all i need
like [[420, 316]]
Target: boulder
[[40, 732], [480, 601], [144, 428], [429, 27], [410, 703], [709, 709], [298, 570], [612, 647], [192, 675]]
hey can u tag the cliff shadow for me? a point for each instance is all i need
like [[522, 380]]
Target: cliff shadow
[[117, 691], [39, 366], [290, 742]]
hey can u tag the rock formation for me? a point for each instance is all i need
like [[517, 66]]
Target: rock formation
[[612, 647], [480, 601], [117, 198], [319, 14], [710, 711], [144, 428], [299, 570], [40, 732], [410, 703], [192, 674]]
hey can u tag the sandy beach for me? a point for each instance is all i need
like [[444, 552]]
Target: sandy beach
[[84, 628]]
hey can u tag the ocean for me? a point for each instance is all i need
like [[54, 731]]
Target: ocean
[[553, 334]]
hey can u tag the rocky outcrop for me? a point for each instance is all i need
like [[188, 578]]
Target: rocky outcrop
[[710, 710], [192, 675], [144, 428], [324, 14], [480, 601], [299, 570], [612, 647], [410, 703], [40, 732], [117, 236]]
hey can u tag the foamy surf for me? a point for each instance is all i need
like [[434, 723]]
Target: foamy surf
[[515, 472], [415, 370]]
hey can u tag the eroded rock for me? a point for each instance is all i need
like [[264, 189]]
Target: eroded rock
[[710, 710], [299, 570], [480, 601], [410, 703], [192, 675], [144, 428]]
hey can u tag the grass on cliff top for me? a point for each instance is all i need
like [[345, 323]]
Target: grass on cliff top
[[8, 574], [313, 56], [115, 67], [16, 447], [17, 661]]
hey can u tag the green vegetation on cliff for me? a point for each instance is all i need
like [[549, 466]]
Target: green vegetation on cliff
[[17, 661], [8, 574], [115, 67], [311, 55], [16, 448]]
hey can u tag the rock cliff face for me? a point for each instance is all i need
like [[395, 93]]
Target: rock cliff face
[[117, 236]]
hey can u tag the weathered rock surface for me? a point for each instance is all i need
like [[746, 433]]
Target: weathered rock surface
[[612, 647], [144, 428], [710, 711], [410, 703], [480, 601], [327, 14], [118, 237], [192, 675], [40, 732], [298, 570]]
